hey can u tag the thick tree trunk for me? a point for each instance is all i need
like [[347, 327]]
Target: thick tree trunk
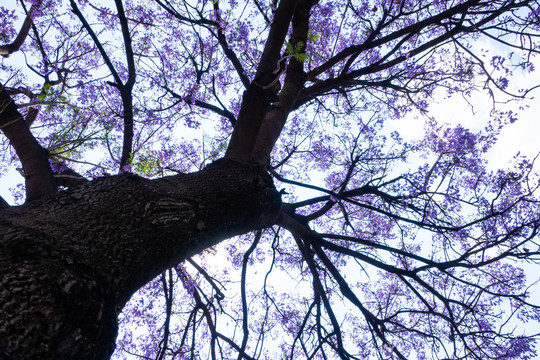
[[69, 263]]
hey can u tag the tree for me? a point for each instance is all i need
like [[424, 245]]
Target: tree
[[408, 249]]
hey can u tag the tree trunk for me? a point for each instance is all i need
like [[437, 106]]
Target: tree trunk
[[69, 263]]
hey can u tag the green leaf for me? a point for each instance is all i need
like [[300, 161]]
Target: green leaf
[[298, 47], [290, 49], [300, 57]]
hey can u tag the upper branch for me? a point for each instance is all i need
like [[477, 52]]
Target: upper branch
[[127, 42], [257, 98], [452, 28], [231, 55], [376, 43], [126, 90], [94, 37], [294, 82]]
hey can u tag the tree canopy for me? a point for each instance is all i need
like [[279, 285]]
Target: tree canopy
[[246, 154]]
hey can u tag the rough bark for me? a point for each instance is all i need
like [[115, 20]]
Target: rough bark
[[69, 263]]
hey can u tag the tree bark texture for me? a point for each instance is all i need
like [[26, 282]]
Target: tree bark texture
[[69, 263]]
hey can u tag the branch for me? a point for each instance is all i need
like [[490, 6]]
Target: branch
[[307, 235], [231, 55], [233, 345], [294, 82], [373, 321], [256, 99], [245, 328], [319, 292], [127, 42], [126, 89], [222, 112], [39, 179], [7, 50], [168, 292], [94, 37], [176, 14], [414, 28], [348, 79], [200, 305], [219, 294]]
